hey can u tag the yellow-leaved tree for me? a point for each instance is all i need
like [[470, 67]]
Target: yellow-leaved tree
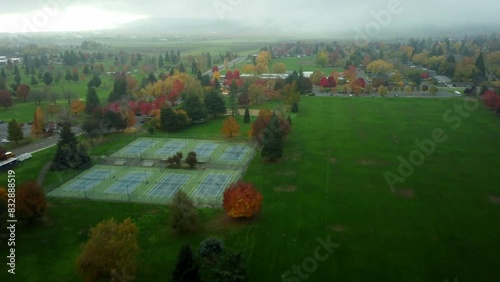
[[38, 122], [112, 248], [230, 127]]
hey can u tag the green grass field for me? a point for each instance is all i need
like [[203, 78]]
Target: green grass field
[[439, 224], [307, 64]]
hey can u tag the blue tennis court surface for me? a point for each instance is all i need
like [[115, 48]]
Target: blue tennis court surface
[[90, 180], [171, 148], [170, 184], [204, 150], [129, 182], [234, 153], [139, 147], [213, 185]]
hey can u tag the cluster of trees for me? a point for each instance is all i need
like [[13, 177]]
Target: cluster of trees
[[112, 246], [175, 160], [270, 130]]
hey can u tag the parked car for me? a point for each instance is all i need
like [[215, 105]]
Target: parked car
[[29, 122], [5, 141]]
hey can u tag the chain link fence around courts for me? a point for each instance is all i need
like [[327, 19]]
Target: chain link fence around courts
[[139, 193]]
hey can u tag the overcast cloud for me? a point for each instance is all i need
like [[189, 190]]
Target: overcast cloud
[[320, 16]]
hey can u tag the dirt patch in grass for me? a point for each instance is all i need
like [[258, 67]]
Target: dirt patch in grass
[[286, 189], [333, 160], [495, 200], [405, 193]]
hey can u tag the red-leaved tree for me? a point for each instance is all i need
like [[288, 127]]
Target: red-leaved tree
[[242, 200], [490, 99]]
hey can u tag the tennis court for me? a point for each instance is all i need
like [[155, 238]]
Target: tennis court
[[234, 153], [171, 148], [212, 185], [204, 150], [139, 146], [89, 180], [129, 182], [168, 185]]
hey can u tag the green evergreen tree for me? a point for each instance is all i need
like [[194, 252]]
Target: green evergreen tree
[[70, 154], [3, 74], [68, 76], [168, 119], [182, 68], [186, 269], [209, 61], [273, 142], [95, 81], [14, 131], [75, 77], [86, 69], [92, 100], [17, 78], [160, 62], [16, 70], [33, 70], [119, 88], [246, 118], [194, 107], [26, 70], [233, 98], [47, 78], [480, 67], [194, 67], [215, 103], [34, 81], [295, 108]]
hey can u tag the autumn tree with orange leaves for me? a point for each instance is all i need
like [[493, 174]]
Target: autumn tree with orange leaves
[[38, 122], [77, 106], [30, 202], [230, 127], [241, 199]]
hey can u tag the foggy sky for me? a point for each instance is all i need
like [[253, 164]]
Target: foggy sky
[[302, 17]]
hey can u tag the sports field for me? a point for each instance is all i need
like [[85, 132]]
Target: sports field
[[131, 180], [208, 151], [147, 185]]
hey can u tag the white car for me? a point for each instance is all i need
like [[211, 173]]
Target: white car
[[24, 157], [5, 141]]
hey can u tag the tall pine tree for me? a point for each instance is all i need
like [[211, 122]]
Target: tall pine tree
[[70, 154], [273, 141], [119, 88], [92, 100], [186, 269]]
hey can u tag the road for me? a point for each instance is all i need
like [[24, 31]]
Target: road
[[222, 67], [43, 143]]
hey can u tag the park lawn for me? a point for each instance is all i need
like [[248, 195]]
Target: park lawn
[[439, 224], [307, 64]]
